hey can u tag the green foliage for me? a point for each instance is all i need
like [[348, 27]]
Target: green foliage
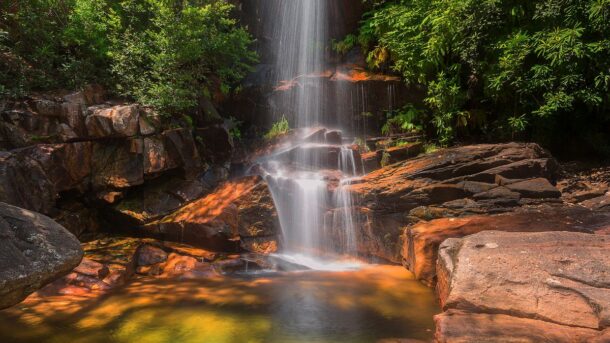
[[499, 67], [163, 53], [406, 119], [279, 128], [430, 148], [385, 159]]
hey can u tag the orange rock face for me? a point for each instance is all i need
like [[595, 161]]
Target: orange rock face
[[421, 241], [454, 182], [544, 282], [237, 213], [460, 327]]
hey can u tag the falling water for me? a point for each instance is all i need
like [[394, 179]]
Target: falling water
[[308, 176]]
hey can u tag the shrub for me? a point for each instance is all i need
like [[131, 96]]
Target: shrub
[[167, 54], [497, 68], [279, 128]]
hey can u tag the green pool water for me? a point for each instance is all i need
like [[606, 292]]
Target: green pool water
[[367, 305]]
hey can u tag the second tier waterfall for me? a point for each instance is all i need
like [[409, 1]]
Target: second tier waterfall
[[308, 172]]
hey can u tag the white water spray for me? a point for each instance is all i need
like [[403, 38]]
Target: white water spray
[[307, 176]]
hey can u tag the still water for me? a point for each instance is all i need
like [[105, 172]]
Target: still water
[[365, 305]]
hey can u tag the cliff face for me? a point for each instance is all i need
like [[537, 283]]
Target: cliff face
[[81, 158]]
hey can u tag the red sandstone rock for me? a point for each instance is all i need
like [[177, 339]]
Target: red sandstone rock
[[92, 268], [116, 121], [240, 209], [404, 152], [459, 181], [557, 277], [421, 241], [461, 327], [535, 188]]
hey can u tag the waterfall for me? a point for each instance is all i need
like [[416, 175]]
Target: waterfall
[[309, 174]]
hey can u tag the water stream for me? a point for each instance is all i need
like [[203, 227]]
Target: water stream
[[308, 179]]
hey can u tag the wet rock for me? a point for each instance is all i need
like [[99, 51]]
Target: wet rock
[[462, 327], [147, 255], [557, 277], [92, 268], [35, 251], [421, 241], [236, 209], [370, 162]]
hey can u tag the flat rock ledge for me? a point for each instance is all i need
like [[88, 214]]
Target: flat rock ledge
[[34, 251], [420, 242], [524, 287]]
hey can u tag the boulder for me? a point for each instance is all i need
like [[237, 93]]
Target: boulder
[[35, 251], [24, 183], [236, 212], [67, 166], [156, 156], [214, 143], [555, 277], [115, 121], [370, 162], [421, 241]]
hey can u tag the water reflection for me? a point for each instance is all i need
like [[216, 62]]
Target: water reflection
[[351, 306]]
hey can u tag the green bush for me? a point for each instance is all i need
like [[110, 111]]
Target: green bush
[[279, 128], [500, 69], [167, 54]]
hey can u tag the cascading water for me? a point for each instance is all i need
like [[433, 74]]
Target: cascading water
[[308, 176]]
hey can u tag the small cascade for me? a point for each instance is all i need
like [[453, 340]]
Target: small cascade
[[308, 176], [345, 220], [347, 161], [309, 179]]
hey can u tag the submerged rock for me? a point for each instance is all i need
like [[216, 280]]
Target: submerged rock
[[553, 277], [35, 251]]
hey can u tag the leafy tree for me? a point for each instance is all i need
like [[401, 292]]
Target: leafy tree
[[500, 68], [168, 54]]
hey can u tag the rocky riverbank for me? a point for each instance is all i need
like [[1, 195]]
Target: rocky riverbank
[[513, 243]]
